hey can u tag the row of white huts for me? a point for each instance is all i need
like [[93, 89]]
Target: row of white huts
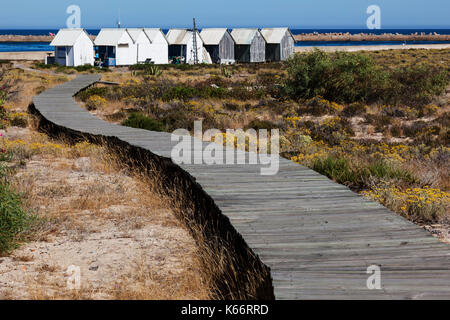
[[121, 47]]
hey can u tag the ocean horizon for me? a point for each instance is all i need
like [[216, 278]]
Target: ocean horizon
[[41, 32]]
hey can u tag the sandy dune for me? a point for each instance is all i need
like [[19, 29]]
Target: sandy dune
[[373, 47], [35, 55]]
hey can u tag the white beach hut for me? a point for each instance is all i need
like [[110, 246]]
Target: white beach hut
[[73, 47], [181, 44], [159, 47], [151, 45], [142, 43], [115, 47]]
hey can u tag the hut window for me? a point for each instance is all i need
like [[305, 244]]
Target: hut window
[[60, 52]]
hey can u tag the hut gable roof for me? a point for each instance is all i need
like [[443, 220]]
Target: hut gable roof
[[67, 37], [244, 36], [110, 37], [152, 33], [275, 35], [178, 36], [136, 32], [212, 36]]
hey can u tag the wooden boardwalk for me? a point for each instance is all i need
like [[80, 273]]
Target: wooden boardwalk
[[317, 236]]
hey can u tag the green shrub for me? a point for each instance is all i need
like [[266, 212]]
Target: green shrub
[[94, 102], [183, 93], [70, 70], [41, 65], [379, 121], [138, 120], [227, 72], [153, 71], [146, 70], [3, 112], [355, 77], [18, 120], [232, 106], [88, 67], [261, 124], [416, 85], [337, 169], [332, 131], [359, 176], [354, 109], [382, 170], [396, 130], [84, 95], [415, 128], [443, 119], [341, 77], [318, 106], [14, 219]]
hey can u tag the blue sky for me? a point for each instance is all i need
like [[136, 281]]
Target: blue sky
[[229, 13]]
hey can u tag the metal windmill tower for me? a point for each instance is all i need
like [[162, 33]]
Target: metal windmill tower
[[195, 43]]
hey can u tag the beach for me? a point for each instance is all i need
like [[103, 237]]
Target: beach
[[339, 36], [373, 47], [29, 55]]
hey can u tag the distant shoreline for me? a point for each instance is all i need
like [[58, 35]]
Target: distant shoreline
[[374, 47], [29, 38], [310, 37], [319, 37]]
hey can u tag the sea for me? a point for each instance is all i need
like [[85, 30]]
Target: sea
[[45, 46]]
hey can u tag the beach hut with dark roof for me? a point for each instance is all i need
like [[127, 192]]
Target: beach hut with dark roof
[[73, 47], [219, 43], [250, 45], [280, 43]]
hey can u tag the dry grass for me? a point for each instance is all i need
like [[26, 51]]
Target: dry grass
[[142, 283], [91, 207], [29, 84], [85, 202], [227, 271], [23, 258], [81, 193]]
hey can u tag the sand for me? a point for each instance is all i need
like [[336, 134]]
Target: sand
[[373, 47], [101, 221], [32, 55]]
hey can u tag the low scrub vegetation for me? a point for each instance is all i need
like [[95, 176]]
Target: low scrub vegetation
[[14, 218], [348, 77], [360, 176], [365, 120], [424, 205], [69, 70], [137, 120]]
